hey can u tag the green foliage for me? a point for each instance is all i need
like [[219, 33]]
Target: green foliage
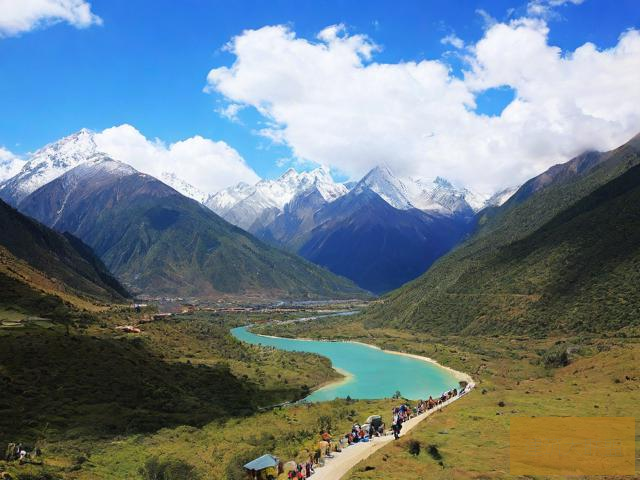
[[556, 356], [165, 244], [99, 384], [61, 257], [565, 259], [325, 423], [168, 469], [234, 469], [21, 297]]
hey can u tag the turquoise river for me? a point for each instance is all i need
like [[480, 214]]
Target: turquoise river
[[370, 372]]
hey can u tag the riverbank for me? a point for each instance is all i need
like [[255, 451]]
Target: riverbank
[[377, 373], [461, 376]]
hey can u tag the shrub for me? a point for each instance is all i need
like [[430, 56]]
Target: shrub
[[168, 469], [414, 447], [556, 356], [434, 452]]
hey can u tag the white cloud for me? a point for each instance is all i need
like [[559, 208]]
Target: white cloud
[[208, 165], [10, 164], [487, 19], [547, 8], [453, 40], [333, 105], [231, 111], [19, 16]]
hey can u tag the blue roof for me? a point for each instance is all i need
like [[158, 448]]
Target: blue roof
[[265, 461]]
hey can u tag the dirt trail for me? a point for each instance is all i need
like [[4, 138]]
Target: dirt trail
[[336, 467]]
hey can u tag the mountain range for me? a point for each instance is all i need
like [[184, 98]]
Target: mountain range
[[561, 255], [159, 242], [252, 207], [380, 232]]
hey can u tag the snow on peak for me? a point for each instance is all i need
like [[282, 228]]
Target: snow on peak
[[243, 204], [49, 163], [383, 182], [437, 195], [500, 197], [183, 187], [442, 196]]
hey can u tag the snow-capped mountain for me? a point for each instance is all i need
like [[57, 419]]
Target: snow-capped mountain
[[441, 196], [438, 195], [57, 158], [183, 187], [499, 198], [388, 186], [254, 207], [49, 163], [251, 207]]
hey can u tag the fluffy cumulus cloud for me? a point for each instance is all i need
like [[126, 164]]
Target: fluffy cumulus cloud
[[10, 164], [333, 104], [206, 164], [19, 16]]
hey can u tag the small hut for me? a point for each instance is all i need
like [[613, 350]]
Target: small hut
[[263, 468]]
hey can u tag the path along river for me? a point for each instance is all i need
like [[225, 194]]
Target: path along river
[[370, 373]]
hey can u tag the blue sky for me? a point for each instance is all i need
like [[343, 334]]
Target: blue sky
[[147, 64]]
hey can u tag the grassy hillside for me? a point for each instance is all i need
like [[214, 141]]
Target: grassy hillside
[[563, 258], [515, 376], [69, 266], [183, 371], [162, 243], [44, 273]]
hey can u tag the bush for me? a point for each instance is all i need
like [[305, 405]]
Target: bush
[[434, 452], [36, 476], [414, 447], [168, 469], [556, 356]]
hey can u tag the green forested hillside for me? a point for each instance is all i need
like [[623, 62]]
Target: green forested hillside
[[37, 264], [565, 258], [159, 242]]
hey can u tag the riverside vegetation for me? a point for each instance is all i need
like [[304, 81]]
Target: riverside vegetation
[[572, 375], [100, 403]]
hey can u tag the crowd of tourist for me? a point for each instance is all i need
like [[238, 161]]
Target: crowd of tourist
[[373, 427]]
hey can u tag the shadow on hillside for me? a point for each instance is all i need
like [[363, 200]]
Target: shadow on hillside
[[54, 386]]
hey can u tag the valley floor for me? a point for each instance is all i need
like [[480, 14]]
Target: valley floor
[[515, 376], [204, 431]]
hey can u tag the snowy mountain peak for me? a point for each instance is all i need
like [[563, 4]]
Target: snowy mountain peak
[[74, 148], [289, 174], [383, 182], [243, 205], [183, 187], [49, 163], [100, 164], [442, 196], [500, 197]]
